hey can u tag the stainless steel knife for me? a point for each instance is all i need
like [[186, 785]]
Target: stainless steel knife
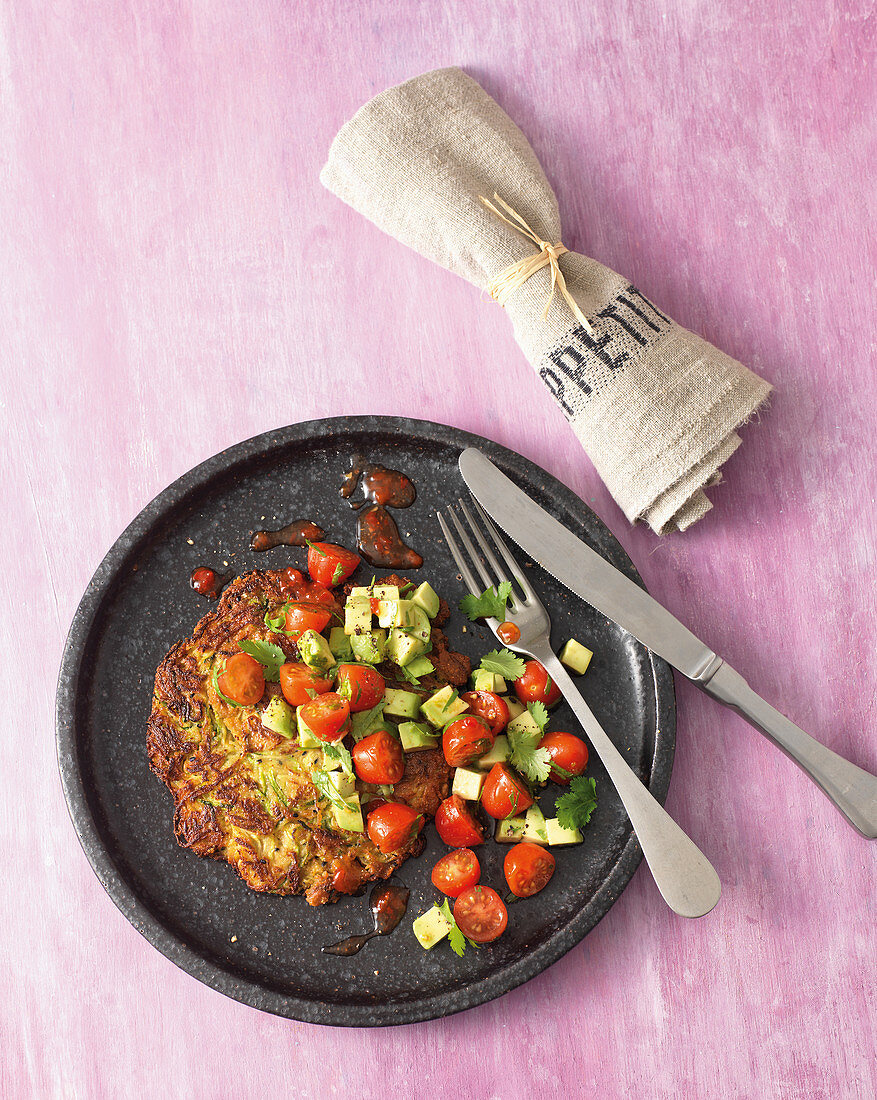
[[583, 571]]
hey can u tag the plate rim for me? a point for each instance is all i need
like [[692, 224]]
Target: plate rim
[[125, 897]]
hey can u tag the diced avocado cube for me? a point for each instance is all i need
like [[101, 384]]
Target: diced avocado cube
[[306, 738], [357, 617], [369, 648], [468, 783], [403, 648], [419, 624], [524, 723], [431, 927], [348, 815], [340, 645], [515, 706], [443, 707], [499, 754], [558, 837], [576, 656], [420, 666], [426, 598], [377, 592], [509, 831], [396, 613], [416, 736], [278, 716], [345, 785], [314, 651], [482, 680], [401, 703], [534, 826]]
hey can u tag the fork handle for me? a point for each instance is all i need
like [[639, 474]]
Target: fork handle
[[687, 880]]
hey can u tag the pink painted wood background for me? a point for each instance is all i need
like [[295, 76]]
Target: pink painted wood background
[[175, 279]]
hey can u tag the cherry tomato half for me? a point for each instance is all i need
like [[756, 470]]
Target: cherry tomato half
[[456, 824], [362, 685], [298, 683], [536, 686], [504, 793], [392, 826], [489, 706], [569, 755], [456, 872], [301, 617], [527, 868], [330, 564], [243, 680], [289, 582], [379, 758], [466, 739], [480, 914], [326, 716]]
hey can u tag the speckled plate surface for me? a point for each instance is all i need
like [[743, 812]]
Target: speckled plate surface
[[265, 950]]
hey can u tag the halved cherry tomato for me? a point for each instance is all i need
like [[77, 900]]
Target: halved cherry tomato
[[466, 739], [489, 706], [504, 793], [330, 564], [379, 758], [527, 868], [363, 686], [391, 826], [243, 680], [301, 617], [569, 755], [508, 633], [299, 683], [536, 686], [289, 581], [326, 716], [314, 592], [457, 825], [456, 872], [480, 914]]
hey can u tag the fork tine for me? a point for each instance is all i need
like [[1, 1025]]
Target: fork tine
[[517, 571], [466, 573], [473, 553], [486, 548]]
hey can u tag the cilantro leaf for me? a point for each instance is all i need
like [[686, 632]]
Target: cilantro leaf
[[504, 663], [269, 656], [367, 721], [455, 937], [339, 752], [490, 604], [574, 808], [527, 757], [338, 574], [316, 549], [539, 714], [326, 787]]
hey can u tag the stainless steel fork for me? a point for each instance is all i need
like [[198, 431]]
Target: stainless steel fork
[[687, 880]]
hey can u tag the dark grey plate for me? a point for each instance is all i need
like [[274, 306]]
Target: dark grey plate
[[264, 950]]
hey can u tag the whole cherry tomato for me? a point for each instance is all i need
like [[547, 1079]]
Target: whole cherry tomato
[[456, 824], [326, 716], [490, 707], [299, 683], [569, 755], [392, 826], [330, 564], [466, 739], [301, 617], [536, 686], [456, 872], [504, 793], [480, 914], [379, 758], [363, 686], [527, 868], [243, 680]]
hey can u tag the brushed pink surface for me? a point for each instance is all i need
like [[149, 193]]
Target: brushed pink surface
[[175, 279]]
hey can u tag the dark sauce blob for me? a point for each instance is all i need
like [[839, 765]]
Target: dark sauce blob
[[377, 536], [298, 533], [207, 582], [388, 905]]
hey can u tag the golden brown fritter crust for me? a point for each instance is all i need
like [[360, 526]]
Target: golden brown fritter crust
[[243, 793]]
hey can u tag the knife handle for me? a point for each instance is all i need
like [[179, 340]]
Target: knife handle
[[851, 789]]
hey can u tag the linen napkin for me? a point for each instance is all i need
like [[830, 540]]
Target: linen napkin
[[655, 406]]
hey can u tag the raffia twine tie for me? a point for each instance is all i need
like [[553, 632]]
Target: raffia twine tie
[[514, 276]]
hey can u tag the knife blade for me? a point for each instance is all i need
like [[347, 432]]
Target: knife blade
[[583, 571]]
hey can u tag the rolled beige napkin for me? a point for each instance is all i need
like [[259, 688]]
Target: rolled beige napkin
[[655, 406]]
